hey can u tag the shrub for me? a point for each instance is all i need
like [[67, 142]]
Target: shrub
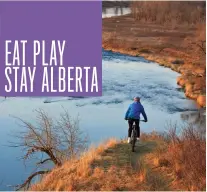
[[186, 154], [144, 51], [178, 61]]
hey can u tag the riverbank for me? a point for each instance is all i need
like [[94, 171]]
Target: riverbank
[[158, 164], [173, 47]]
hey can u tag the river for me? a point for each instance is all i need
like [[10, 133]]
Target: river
[[101, 117], [115, 11]]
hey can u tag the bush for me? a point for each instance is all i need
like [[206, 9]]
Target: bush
[[187, 156], [144, 51], [178, 61]]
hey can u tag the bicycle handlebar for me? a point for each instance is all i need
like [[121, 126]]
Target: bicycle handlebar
[[139, 120]]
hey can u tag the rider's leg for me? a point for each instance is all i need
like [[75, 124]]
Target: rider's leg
[[137, 128], [130, 122]]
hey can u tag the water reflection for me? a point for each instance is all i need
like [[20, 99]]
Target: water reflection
[[196, 118], [115, 11]]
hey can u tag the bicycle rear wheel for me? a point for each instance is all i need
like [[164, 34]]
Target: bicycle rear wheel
[[133, 139]]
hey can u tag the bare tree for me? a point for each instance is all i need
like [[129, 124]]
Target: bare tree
[[200, 40], [55, 140], [197, 43], [169, 12]]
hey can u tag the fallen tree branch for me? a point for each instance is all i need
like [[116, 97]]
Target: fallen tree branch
[[27, 183]]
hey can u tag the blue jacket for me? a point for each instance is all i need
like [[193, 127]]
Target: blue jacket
[[134, 111]]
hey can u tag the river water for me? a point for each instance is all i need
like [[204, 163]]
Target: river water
[[115, 11], [101, 117]]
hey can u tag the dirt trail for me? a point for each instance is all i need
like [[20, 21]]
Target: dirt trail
[[122, 155], [141, 149]]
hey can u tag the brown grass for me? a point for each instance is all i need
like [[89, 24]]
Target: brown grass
[[183, 157], [162, 162], [169, 12], [107, 168]]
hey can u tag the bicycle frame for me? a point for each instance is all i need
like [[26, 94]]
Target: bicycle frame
[[134, 136]]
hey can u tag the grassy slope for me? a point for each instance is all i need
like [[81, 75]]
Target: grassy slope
[[111, 166], [159, 163]]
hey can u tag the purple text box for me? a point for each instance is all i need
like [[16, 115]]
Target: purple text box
[[79, 24]]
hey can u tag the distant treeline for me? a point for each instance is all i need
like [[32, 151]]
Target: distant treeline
[[111, 4], [164, 12]]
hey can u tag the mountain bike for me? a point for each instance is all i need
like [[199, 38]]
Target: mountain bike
[[134, 135]]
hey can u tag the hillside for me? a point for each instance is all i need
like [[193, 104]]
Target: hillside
[[158, 164]]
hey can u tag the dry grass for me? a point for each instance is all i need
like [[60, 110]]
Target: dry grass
[[169, 12], [106, 168], [162, 162], [183, 157]]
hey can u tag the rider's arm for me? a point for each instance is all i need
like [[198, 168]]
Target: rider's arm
[[144, 114], [127, 113]]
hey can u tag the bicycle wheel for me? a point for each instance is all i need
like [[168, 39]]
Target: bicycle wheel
[[133, 138]]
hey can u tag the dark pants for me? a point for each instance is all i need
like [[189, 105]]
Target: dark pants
[[131, 121]]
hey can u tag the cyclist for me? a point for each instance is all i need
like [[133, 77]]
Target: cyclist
[[133, 115]]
